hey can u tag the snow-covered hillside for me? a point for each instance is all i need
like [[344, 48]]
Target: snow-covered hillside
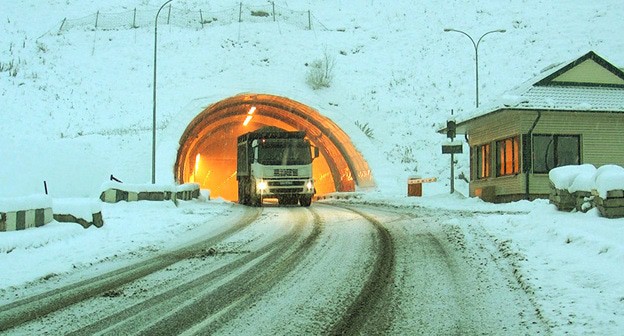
[[77, 106]]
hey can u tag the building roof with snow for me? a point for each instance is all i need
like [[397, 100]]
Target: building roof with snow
[[588, 83], [570, 114]]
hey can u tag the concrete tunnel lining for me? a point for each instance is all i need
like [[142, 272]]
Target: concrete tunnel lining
[[346, 164]]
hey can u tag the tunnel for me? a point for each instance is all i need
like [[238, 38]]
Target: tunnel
[[207, 151]]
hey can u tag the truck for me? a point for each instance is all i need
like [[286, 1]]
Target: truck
[[275, 163]]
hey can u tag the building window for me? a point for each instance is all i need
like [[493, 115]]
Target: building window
[[508, 158], [483, 157], [550, 151]]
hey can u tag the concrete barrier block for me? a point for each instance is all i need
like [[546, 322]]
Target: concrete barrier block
[[85, 212], [615, 193], [98, 221], [20, 220], [109, 196], [68, 218], [24, 219], [39, 217], [29, 218], [48, 216], [151, 196], [11, 221], [112, 192]]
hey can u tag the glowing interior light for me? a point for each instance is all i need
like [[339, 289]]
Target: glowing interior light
[[247, 120], [252, 110], [197, 162]]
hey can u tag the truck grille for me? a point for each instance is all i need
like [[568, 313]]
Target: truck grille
[[286, 183], [286, 190], [285, 172]]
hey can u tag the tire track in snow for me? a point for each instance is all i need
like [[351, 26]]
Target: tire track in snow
[[201, 305], [37, 306], [367, 311]]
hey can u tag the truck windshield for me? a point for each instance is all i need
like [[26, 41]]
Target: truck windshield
[[284, 152]]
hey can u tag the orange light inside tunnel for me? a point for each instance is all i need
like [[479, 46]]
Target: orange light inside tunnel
[[211, 140], [220, 175]]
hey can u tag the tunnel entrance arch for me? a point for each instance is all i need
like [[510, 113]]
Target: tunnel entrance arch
[[207, 151]]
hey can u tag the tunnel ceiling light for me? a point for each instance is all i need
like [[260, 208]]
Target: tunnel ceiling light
[[247, 120], [251, 110], [197, 162]]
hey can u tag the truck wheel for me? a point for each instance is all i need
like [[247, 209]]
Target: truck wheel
[[242, 195], [254, 199], [305, 201]]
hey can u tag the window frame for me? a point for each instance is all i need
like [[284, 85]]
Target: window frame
[[483, 161], [556, 155], [508, 149]]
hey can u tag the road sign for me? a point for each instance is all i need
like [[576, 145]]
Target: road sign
[[452, 149]]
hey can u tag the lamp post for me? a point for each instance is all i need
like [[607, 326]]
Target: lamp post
[[476, 49], [154, 95]]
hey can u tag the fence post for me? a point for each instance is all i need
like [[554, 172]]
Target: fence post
[[97, 17], [309, 20], [240, 12], [62, 24], [134, 20], [169, 14], [201, 18], [273, 4], [45, 187]]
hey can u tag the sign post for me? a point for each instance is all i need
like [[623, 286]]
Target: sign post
[[452, 147]]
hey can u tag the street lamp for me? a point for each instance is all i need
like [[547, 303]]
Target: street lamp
[[476, 48], [154, 96]]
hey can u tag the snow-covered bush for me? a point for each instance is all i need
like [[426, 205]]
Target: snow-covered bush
[[321, 72]]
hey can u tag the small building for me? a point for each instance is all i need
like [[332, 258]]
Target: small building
[[572, 113]]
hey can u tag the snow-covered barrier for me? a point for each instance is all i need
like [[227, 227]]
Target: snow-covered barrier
[[609, 192], [113, 192], [85, 212], [583, 187], [187, 191], [571, 187], [20, 213]]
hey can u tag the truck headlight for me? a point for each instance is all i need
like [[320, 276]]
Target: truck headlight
[[310, 185], [262, 185]]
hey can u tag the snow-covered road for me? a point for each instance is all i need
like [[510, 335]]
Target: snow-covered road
[[329, 269]]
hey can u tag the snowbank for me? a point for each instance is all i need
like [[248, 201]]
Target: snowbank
[[587, 178], [565, 177], [137, 187], [112, 192], [25, 203], [609, 177], [80, 207]]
